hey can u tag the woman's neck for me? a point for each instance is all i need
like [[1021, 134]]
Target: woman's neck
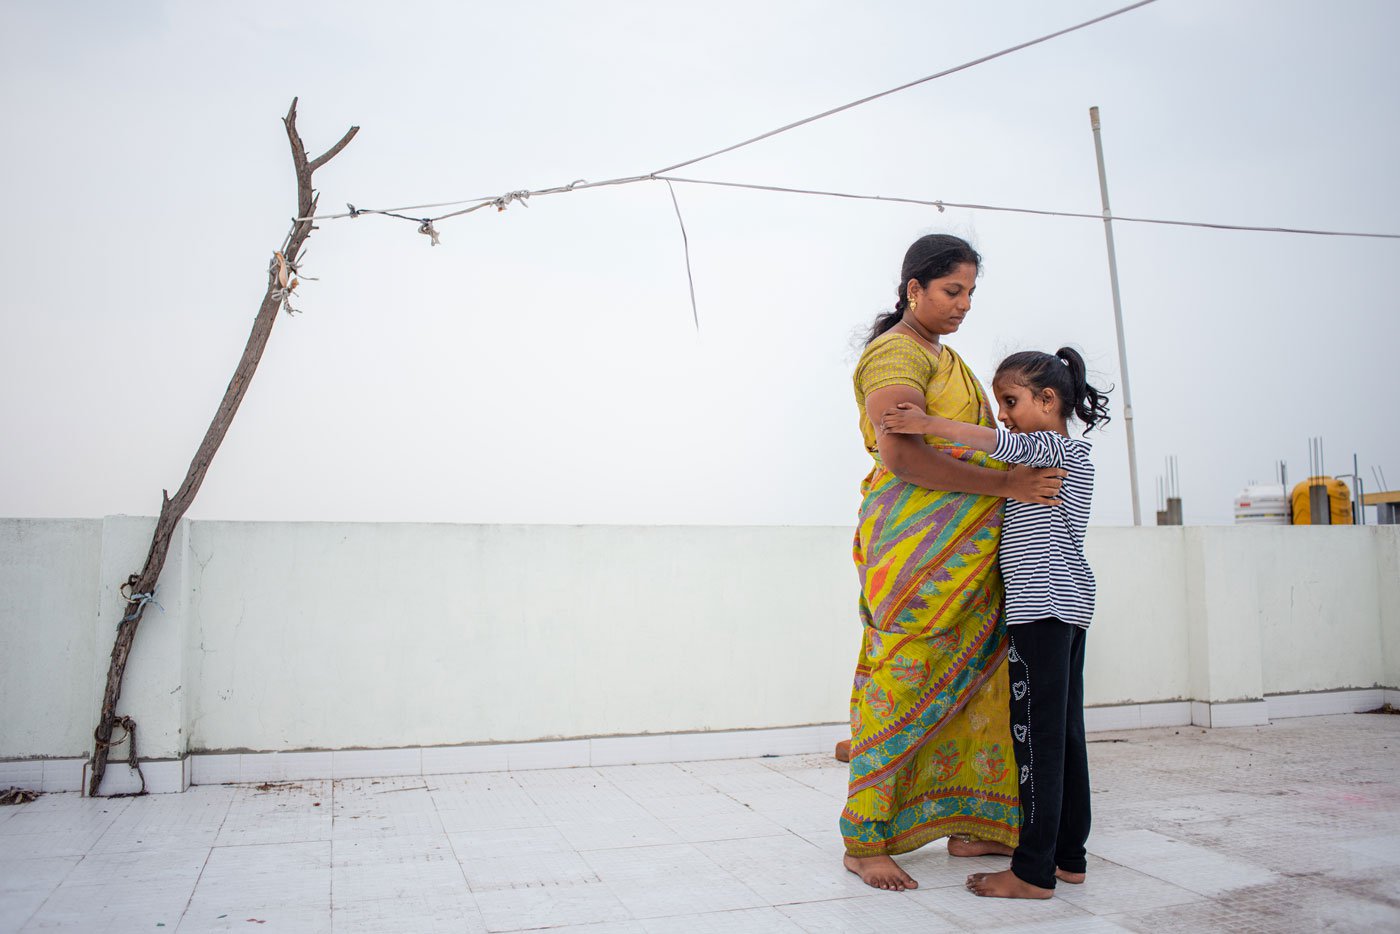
[[920, 333]]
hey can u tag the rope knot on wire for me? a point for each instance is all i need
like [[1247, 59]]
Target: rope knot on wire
[[521, 196], [427, 229]]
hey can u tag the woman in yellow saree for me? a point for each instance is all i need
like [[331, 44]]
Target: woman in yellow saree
[[931, 749]]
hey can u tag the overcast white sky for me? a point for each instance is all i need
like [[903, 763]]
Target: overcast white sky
[[541, 364]]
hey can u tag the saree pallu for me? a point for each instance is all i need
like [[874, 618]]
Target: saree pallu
[[931, 752]]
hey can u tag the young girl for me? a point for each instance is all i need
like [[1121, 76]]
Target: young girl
[[1049, 601]]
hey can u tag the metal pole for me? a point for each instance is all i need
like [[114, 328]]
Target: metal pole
[[1174, 515], [1319, 500], [1117, 317], [1360, 490]]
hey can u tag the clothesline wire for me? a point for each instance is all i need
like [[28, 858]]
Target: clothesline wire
[[1019, 210], [523, 196], [476, 203], [685, 240], [940, 204], [479, 203], [904, 87]]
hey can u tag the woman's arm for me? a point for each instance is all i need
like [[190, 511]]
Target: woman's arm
[[913, 461]]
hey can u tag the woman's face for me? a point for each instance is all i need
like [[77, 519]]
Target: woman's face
[[941, 305]]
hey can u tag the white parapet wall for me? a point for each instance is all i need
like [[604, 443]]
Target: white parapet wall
[[304, 638]]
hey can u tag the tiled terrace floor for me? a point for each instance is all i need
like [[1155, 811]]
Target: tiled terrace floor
[[1289, 827]]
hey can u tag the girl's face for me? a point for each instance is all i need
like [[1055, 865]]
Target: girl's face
[[1021, 409], [941, 305]]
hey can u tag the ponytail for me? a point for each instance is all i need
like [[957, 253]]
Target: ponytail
[[888, 319], [1065, 373], [1090, 405]]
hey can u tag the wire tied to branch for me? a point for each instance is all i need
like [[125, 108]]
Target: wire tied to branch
[[280, 281], [137, 601], [284, 271]]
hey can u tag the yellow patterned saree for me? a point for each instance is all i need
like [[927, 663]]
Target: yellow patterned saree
[[931, 748]]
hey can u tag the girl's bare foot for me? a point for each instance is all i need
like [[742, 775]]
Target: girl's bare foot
[[1073, 878], [880, 872], [967, 846], [843, 751], [1004, 884]]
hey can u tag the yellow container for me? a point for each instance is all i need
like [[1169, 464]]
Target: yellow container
[[1338, 497]]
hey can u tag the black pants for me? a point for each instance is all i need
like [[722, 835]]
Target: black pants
[[1046, 665]]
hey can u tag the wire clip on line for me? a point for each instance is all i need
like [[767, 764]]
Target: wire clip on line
[[508, 197]]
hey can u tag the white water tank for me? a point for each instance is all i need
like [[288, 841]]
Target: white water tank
[[1262, 504]]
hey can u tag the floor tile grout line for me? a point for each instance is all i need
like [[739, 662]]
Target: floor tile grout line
[[33, 914], [609, 886], [510, 777], [624, 791], [743, 804], [452, 847], [466, 884], [126, 803], [637, 801], [330, 881], [81, 857], [697, 849], [330, 865], [195, 888], [207, 856]]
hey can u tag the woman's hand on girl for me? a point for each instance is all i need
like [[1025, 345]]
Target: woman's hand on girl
[[906, 419], [1035, 484]]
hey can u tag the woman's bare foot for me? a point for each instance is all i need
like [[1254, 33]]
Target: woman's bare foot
[[1073, 878], [843, 751], [967, 846], [880, 872], [1004, 884]]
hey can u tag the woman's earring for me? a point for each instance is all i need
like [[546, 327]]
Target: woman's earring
[[913, 304]]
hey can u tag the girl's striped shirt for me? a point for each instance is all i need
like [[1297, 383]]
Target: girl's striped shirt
[[1042, 547]]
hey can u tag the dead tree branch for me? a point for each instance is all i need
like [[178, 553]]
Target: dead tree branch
[[140, 588]]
